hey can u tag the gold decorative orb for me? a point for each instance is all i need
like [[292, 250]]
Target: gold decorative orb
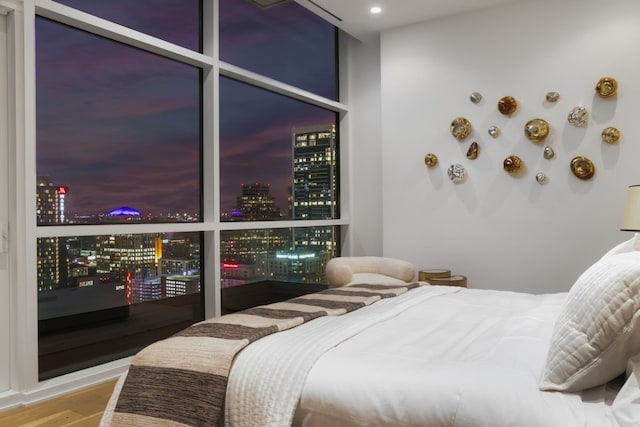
[[536, 130], [512, 164], [582, 167], [460, 128], [472, 152], [610, 135], [431, 160], [507, 105], [607, 87]]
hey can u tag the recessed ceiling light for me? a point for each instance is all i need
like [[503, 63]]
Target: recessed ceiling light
[[375, 10]]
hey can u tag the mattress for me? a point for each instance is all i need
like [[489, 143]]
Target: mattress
[[436, 356]]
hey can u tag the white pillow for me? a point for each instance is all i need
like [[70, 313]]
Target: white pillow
[[598, 329], [633, 244]]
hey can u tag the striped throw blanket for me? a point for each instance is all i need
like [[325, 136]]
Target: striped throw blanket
[[181, 381]]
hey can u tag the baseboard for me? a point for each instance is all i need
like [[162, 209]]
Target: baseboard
[[64, 384]]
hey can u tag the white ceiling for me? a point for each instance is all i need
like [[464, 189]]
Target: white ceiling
[[353, 16]]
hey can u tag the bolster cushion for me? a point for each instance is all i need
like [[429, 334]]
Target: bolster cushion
[[339, 271]]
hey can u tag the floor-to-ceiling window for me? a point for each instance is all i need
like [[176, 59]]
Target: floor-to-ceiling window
[[165, 174]]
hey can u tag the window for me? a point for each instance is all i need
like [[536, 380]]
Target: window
[[287, 43], [122, 149], [176, 21], [128, 133], [136, 155], [104, 297], [278, 156]]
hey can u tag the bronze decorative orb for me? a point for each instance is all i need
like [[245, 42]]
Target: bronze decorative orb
[[536, 130], [610, 135], [607, 87], [431, 160], [582, 167], [512, 164], [460, 128], [507, 105], [472, 152]]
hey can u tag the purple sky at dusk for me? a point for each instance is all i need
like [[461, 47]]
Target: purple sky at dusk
[[120, 126]]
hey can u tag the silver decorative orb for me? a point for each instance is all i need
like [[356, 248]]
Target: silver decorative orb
[[548, 152], [552, 96], [475, 97], [541, 178], [456, 173], [494, 131], [578, 116]]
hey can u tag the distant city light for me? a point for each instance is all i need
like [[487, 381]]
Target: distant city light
[[124, 211], [295, 256], [230, 265]]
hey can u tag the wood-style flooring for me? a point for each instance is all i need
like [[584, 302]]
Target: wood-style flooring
[[82, 408]]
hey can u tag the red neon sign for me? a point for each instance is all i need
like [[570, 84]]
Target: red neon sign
[[62, 190], [230, 265]]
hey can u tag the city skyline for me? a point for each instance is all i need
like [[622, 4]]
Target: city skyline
[[128, 130]]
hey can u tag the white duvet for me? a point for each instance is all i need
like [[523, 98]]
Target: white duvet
[[436, 356]]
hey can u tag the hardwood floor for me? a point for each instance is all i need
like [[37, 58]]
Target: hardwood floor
[[79, 409]]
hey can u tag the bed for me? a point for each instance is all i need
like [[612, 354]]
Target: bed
[[424, 356]]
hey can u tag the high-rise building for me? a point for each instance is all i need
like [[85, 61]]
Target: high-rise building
[[128, 253], [51, 202], [256, 203], [315, 192], [51, 208]]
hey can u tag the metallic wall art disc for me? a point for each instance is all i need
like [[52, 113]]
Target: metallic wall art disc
[[607, 87], [610, 135], [431, 160], [507, 105], [456, 173], [475, 97], [582, 167], [512, 164], [494, 131], [472, 152], [460, 128], [541, 178], [552, 96], [536, 130], [548, 153], [578, 116]]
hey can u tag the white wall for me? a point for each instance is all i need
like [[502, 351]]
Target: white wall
[[364, 158], [504, 232], [5, 295]]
